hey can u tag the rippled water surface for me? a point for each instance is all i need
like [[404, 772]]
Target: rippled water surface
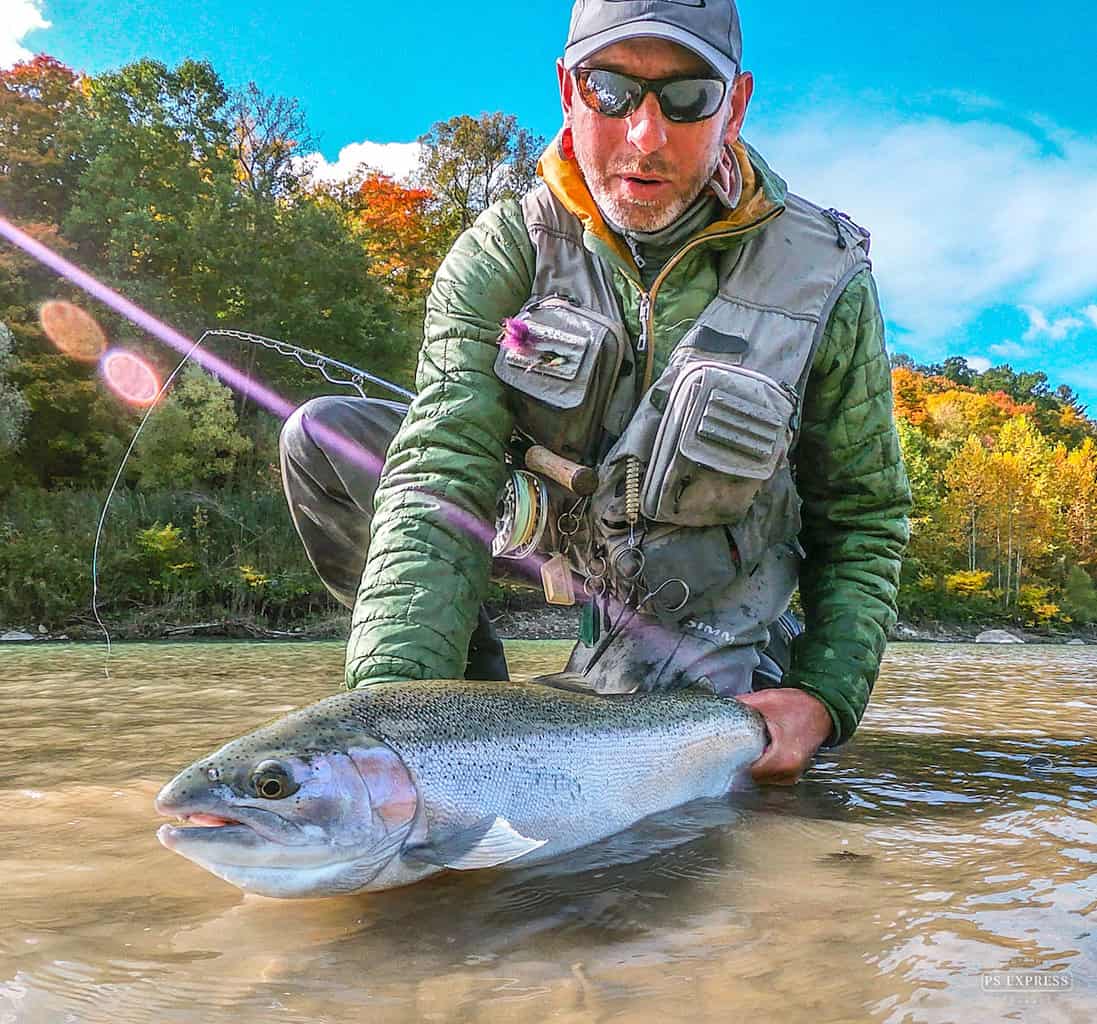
[[888, 886]]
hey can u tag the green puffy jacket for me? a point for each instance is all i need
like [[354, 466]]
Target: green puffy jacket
[[427, 571]]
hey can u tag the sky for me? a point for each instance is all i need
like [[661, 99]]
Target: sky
[[964, 136]]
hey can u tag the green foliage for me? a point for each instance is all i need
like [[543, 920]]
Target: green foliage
[[470, 162], [75, 431], [162, 133], [1080, 596], [192, 437], [180, 553], [40, 106], [13, 406]]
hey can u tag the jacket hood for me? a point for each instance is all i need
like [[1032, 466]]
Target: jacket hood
[[763, 195]]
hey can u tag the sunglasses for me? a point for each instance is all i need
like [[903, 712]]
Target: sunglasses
[[681, 99]]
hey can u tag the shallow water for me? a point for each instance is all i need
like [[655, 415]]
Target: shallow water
[[889, 886]]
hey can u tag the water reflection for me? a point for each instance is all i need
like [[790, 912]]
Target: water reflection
[[929, 852]]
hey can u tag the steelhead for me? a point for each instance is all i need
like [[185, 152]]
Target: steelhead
[[393, 782]]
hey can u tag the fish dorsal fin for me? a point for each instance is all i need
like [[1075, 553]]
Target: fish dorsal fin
[[487, 843]]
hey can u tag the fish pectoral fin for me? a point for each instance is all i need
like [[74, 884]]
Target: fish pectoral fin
[[487, 843]]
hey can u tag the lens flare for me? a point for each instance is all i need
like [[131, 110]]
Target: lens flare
[[130, 377], [73, 330]]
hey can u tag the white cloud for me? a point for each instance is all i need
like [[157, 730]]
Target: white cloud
[[1010, 350], [966, 215], [980, 364], [1040, 326], [18, 18], [398, 159], [1090, 313]]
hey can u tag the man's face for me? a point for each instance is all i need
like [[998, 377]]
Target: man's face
[[643, 170]]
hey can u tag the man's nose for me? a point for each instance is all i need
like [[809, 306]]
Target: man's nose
[[647, 130]]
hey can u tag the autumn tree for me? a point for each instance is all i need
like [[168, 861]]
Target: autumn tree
[[969, 498], [1002, 503], [1025, 508], [1074, 478], [400, 235], [468, 163], [40, 101]]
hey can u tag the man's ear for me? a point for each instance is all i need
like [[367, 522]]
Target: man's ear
[[741, 91], [567, 85]]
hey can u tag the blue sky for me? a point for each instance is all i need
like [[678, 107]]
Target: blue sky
[[966, 141]]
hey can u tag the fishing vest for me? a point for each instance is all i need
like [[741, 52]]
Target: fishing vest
[[696, 515]]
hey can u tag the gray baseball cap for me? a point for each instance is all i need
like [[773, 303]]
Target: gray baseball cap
[[710, 28]]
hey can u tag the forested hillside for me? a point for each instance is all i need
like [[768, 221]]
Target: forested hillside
[[1004, 475], [196, 202]]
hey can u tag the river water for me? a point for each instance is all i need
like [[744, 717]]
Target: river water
[[930, 871]]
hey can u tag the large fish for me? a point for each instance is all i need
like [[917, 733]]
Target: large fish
[[390, 783]]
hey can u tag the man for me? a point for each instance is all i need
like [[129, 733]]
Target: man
[[707, 341]]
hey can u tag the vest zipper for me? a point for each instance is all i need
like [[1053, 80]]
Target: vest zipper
[[634, 248], [647, 299], [645, 326]]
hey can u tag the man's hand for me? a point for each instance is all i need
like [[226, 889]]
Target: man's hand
[[798, 725]]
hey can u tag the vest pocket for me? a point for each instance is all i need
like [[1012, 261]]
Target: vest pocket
[[723, 433], [566, 363]]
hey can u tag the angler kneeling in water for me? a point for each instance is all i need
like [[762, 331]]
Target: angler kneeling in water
[[707, 342]]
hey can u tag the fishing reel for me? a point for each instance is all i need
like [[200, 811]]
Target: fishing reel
[[521, 516]]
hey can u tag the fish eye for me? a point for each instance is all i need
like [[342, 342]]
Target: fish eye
[[271, 781]]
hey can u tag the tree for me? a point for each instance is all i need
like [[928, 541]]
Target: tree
[[956, 369], [968, 500], [193, 438], [269, 135], [1075, 482], [959, 412], [399, 234], [470, 162], [40, 102], [908, 394], [159, 150]]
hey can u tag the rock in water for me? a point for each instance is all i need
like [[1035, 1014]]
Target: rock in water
[[997, 636]]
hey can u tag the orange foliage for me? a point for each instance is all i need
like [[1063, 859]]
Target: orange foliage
[[909, 392], [398, 233]]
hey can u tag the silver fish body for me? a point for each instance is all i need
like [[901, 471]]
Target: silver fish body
[[385, 785]]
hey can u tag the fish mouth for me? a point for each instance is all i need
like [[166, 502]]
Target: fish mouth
[[244, 857], [196, 830], [202, 826]]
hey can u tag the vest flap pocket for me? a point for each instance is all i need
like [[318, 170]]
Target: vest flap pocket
[[723, 434], [739, 432], [556, 361]]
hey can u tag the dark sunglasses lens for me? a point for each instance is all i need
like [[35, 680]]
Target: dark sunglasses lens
[[691, 99], [609, 93]]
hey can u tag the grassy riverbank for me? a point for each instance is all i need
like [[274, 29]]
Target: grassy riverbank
[[228, 563]]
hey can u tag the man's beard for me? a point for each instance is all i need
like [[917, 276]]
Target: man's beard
[[637, 214]]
